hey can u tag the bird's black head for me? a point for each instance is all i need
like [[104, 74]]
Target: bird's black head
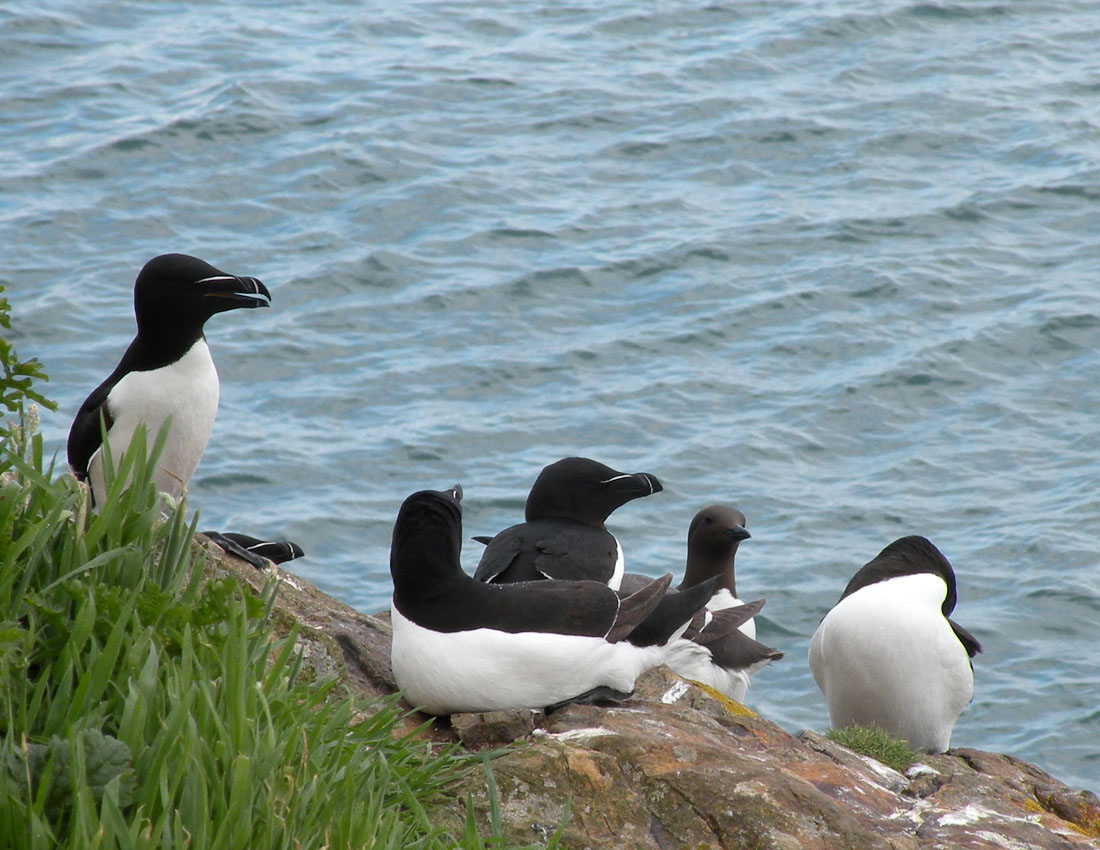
[[907, 556], [427, 541], [175, 294], [585, 490], [717, 528], [713, 537]]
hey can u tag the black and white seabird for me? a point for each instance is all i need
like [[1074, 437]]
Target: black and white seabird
[[464, 645], [167, 372], [888, 655], [564, 536], [713, 537], [254, 550], [733, 656]]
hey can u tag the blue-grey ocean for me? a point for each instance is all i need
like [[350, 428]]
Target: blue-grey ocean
[[835, 263]]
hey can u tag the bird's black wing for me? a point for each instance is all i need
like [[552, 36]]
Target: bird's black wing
[[969, 642], [633, 609], [557, 607], [247, 548], [501, 552], [738, 651], [549, 548], [576, 552], [86, 433], [722, 622], [672, 612]]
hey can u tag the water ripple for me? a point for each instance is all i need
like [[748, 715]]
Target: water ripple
[[834, 263]]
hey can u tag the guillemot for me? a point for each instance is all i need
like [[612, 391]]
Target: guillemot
[[713, 537], [733, 656]]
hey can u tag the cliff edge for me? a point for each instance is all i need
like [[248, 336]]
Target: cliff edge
[[678, 766]]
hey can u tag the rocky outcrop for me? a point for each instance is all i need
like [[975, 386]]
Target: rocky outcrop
[[680, 767], [676, 768]]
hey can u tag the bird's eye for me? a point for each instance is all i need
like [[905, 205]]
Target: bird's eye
[[708, 519]]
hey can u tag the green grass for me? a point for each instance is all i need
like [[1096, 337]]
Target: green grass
[[875, 743], [144, 707]]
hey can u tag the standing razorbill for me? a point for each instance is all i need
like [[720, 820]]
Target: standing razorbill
[[167, 372], [564, 536], [733, 656], [464, 645], [887, 654]]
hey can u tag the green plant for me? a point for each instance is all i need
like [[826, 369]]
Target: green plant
[[496, 839], [144, 704], [18, 376], [876, 743]]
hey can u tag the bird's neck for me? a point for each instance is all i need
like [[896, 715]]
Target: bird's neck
[[699, 569], [154, 349]]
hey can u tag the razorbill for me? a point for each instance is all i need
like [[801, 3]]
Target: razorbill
[[564, 535], [888, 655], [254, 550], [464, 645], [167, 372], [733, 656]]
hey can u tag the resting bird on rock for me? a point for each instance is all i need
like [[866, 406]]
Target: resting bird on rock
[[464, 645], [254, 550], [888, 655], [732, 656]]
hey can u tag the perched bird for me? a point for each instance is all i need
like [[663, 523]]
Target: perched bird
[[564, 536], [464, 645], [732, 656], [888, 655], [254, 550], [713, 537], [167, 372]]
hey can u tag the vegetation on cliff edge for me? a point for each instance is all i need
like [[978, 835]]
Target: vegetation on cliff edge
[[142, 706], [876, 743]]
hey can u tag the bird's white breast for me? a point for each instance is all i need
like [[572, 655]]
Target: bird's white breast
[[485, 669], [732, 683], [886, 656], [185, 392], [724, 599], [616, 580]]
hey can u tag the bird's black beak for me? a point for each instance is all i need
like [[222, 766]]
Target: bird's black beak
[[234, 292], [738, 532], [647, 484], [634, 485], [452, 496]]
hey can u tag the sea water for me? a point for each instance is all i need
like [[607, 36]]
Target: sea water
[[833, 263]]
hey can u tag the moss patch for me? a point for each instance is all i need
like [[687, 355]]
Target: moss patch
[[873, 742]]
